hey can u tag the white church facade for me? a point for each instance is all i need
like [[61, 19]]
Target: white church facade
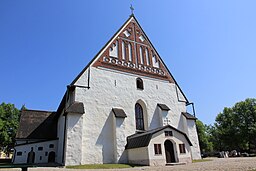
[[124, 107]]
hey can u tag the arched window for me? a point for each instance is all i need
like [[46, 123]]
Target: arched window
[[139, 83], [147, 56], [130, 51], [141, 56], [123, 51], [139, 117]]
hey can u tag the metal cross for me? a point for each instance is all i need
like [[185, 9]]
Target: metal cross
[[132, 9]]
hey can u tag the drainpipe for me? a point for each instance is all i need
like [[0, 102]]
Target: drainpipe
[[193, 107]]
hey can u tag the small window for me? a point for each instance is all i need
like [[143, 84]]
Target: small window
[[51, 146], [46, 153], [157, 148], [139, 84], [182, 148], [168, 133], [40, 157], [19, 153], [40, 148]]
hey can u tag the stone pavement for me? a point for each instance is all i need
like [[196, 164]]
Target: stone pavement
[[217, 164]]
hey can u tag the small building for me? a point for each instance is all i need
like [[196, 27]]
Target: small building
[[124, 107]]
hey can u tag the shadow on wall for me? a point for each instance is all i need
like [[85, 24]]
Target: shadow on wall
[[182, 123], [155, 122], [123, 157], [106, 140]]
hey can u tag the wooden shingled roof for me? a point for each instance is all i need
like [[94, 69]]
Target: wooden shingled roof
[[36, 124]]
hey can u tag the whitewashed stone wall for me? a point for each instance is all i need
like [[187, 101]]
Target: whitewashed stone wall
[[110, 89], [195, 149], [41, 156], [139, 156], [176, 139], [74, 139]]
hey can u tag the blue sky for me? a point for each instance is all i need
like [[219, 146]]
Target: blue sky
[[208, 45]]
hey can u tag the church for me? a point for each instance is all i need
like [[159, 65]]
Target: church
[[123, 107]]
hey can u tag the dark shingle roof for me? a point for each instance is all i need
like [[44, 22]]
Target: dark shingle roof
[[188, 116], [163, 107], [119, 113], [36, 124], [142, 139], [76, 107]]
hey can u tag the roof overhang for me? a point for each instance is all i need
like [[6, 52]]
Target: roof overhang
[[143, 139]]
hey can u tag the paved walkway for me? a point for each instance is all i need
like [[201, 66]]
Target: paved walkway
[[217, 164]]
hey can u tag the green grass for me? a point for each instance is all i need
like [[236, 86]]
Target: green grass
[[201, 160], [100, 166]]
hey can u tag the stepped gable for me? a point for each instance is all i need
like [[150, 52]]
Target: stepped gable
[[131, 51]]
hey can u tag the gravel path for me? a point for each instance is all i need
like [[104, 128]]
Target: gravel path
[[217, 164]]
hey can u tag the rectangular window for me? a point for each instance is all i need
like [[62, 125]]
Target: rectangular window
[[40, 148], [19, 153], [51, 146], [182, 148], [157, 148], [168, 133]]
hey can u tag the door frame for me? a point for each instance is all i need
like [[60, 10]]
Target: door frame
[[170, 151]]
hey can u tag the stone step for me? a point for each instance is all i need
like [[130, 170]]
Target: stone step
[[174, 164]]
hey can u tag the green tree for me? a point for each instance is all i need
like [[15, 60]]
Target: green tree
[[9, 121], [203, 136], [235, 128]]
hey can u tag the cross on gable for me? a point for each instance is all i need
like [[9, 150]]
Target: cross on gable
[[131, 51], [132, 9]]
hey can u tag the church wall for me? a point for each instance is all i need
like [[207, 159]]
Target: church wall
[[120, 155], [74, 139], [41, 149], [138, 156], [109, 89], [60, 134], [195, 149]]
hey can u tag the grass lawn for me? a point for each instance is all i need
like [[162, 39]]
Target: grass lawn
[[201, 160], [100, 166]]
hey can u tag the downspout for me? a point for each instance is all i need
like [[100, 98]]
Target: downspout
[[193, 107], [187, 103], [65, 114]]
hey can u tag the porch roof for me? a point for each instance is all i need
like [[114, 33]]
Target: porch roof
[[142, 139]]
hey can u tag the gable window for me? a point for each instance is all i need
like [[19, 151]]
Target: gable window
[[139, 117], [139, 83], [182, 148], [158, 149], [168, 133]]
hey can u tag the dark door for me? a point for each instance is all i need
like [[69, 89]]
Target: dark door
[[31, 156], [169, 152], [51, 157]]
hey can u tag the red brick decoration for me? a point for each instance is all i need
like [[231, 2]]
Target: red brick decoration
[[131, 51]]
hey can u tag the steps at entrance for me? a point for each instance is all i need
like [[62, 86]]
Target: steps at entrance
[[174, 164]]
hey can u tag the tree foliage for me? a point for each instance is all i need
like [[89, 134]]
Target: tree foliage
[[203, 136], [9, 121], [235, 127]]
